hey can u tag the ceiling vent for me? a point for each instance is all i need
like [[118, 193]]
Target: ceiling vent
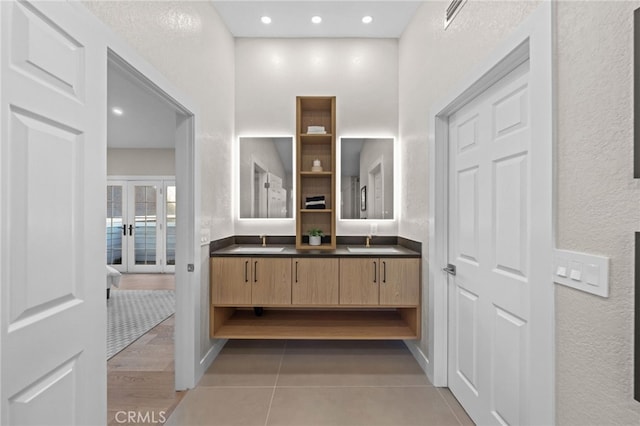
[[452, 11]]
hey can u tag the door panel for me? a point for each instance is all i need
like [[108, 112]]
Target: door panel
[[399, 282], [271, 283], [359, 281], [144, 198], [170, 226], [490, 243], [231, 281], [52, 192], [315, 281], [116, 226]]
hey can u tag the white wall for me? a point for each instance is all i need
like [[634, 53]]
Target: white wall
[[190, 45], [141, 162], [361, 73], [596, 197]]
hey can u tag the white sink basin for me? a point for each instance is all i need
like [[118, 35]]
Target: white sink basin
[[372, 250], [256, 250]]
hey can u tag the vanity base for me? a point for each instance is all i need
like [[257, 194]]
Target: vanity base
[[316, 324]]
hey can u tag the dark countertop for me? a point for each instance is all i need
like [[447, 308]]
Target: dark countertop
[[290, 251]]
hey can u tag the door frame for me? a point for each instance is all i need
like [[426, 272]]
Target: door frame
[[532, 40], [188, 365]]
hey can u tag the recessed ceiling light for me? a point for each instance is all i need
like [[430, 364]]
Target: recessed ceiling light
[[265, 20], [367, 20], [117, 111], [316, 19]]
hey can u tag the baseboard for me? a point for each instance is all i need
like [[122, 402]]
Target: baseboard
[[420, 357], [210, 356]]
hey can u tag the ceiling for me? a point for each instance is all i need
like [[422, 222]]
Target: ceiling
[[147, 121], [339, 18]]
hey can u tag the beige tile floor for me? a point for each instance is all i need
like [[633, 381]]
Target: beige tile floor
[[317, 383]]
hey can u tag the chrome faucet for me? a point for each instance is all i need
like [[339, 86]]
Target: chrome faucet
[[368, 241], [264, 240]]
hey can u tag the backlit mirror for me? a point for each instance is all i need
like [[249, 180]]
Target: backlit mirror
[[266, 177], [366, 178]]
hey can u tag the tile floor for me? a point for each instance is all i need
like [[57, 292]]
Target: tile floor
[[304, 383]]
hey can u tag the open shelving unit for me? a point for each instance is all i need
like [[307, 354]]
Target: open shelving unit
[[316, 111], [335, 324]]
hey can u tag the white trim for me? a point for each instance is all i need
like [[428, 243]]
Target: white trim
[[533, 39], [210, 356], [418, 354]]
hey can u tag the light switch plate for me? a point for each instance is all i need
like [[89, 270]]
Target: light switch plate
[[582, 271]]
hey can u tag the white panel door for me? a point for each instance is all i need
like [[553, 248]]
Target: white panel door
[[491, 242], [52, 192]]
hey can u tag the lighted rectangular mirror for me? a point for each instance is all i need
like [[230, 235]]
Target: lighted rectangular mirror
[[266, 177], [366, 173]]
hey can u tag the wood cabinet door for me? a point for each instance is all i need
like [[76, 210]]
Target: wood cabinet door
[[315, 281], [231, 281], [271, 283], [400, 282], [359, 281]]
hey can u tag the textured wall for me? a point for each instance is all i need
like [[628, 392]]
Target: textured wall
[[188, 43], [596, 198], [432, 61], [361, 73], [141, 162], [597, 209]]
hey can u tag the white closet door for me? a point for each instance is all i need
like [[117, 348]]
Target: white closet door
[[493, 244]]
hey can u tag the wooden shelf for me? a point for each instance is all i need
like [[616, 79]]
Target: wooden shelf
[[316, 210], [316, 174], [317, 136], [323, 246], [317, 324]]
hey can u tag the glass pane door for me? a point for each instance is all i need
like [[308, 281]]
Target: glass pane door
[[116, 228], [170, 226], [144, 197]]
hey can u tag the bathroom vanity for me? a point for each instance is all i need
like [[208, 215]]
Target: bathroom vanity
[[352, 292]]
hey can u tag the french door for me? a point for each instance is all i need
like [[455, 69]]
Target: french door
[[140, 229]]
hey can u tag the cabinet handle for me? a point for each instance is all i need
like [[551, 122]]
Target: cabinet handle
[[384, 272], [375, 272], [246, 271], [296, 271], [130, 229], [124, 229], [255, 271]]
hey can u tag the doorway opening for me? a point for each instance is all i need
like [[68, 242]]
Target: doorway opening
[[151, 157]]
